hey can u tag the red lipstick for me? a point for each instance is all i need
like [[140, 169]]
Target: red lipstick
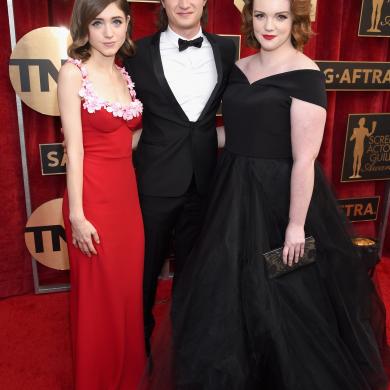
[[269, 37]]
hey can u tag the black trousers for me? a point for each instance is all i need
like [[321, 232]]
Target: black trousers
[[163, 216]]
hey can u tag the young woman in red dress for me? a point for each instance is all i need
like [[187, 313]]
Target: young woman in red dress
[[103, 222]]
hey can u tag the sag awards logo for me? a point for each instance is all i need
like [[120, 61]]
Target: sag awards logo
[[53, 159], [45, 235], [367, 148], [34, 66], [360, 209], [375, 18], [356, 76]]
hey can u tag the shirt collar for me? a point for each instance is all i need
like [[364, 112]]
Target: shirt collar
[[173, 37]]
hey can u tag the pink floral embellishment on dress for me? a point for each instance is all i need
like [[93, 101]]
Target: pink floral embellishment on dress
[[93, 103]]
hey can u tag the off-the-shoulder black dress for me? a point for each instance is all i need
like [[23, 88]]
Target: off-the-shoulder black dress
[[234, 328]]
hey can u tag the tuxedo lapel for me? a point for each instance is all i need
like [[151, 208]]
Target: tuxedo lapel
[[218, 64], [159, 73]]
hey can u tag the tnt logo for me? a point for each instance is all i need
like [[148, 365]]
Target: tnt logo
[[34, 67], [45, 235]]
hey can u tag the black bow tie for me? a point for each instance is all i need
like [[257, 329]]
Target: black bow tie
[[186, 44]]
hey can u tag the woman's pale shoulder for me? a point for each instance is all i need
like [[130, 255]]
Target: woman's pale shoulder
[[242, 63], [69, 72], [302, 61]]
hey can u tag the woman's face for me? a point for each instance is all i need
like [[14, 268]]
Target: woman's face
[[272, 23], [107, 32]]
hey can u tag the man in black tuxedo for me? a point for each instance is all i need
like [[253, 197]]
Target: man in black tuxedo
[[180, 74]]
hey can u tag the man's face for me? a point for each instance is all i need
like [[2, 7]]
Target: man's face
[[184, 15]]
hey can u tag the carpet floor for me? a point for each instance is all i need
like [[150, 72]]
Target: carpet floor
[[35, 351]]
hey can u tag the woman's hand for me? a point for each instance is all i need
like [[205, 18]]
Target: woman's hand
[[83, 236], [294, 244], [136, 138], [221, 137]]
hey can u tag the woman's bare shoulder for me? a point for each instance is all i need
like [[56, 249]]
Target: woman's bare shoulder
[[302, 61], [70, 73], [242, 63]]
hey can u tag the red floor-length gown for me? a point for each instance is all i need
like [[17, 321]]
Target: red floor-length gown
[[106, 290]]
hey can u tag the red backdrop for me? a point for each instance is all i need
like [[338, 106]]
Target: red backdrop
[[336, 39]]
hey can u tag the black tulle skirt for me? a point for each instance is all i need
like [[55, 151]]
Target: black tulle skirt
[[318, 328]]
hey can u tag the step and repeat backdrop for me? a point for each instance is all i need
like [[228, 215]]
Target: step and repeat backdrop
[[351, 48]]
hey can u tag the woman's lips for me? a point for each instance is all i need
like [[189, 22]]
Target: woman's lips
[[269, 37]]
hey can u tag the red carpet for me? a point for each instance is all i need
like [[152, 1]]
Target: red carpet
[[35, 343], [383, 281]]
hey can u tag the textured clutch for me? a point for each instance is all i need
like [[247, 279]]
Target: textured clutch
[[274, 260]]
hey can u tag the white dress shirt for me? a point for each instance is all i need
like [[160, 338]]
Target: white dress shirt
[[191, 74]]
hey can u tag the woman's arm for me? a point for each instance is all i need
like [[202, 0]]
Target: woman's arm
[[69, 83], [307, 128], [221, 136], [136, 137]]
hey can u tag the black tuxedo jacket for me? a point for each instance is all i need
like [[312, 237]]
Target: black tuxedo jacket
[[172, 149]]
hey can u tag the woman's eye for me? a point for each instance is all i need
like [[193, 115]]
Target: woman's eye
[[96, 23], [117, 22], [259, 16], [282, 17]]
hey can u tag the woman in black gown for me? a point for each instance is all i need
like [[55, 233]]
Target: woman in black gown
[[311, 329]]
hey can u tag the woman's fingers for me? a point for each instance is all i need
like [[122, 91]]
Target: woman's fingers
[[302, 250], [285, 254], [85, 248], [83, 236], [297, 251], [90, 247], [292, 253], [96, 237]]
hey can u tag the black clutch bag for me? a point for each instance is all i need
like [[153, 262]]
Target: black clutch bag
[[276, 267]]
